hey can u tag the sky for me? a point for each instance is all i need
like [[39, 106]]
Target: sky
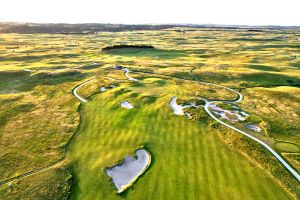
[[234, 12]]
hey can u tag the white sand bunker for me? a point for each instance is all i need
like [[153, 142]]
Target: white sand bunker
[[254, 127], [178, 109], [102, 89], [123, 175], [126, 104], [232, 116]]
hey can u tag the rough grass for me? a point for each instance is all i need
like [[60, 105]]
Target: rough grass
[[279, 109], [34, 187]]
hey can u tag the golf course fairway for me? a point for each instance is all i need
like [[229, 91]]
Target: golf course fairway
[[188, 162]]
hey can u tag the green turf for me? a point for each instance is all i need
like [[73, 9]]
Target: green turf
[[189, 162], [287, 147], [38, 113], [156, 53]]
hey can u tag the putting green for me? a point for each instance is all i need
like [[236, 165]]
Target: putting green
[[287, 147], [188, 159]]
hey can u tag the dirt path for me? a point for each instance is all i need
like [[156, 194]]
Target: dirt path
[[126, 71], [79, 86], [27, 174]]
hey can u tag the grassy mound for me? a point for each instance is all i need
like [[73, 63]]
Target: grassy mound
[[287, 147]]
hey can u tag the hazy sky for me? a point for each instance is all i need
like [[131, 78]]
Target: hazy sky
[[248, 12]]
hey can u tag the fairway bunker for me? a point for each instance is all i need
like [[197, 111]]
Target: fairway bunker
[[177, 108], [125, 174], [228, 114], [126, 104], [254, 127], [102, 89]]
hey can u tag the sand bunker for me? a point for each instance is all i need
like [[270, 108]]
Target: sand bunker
[[126, 104], [124, 174], [178, 109], [102, 89], [232, 116], [254, 127]]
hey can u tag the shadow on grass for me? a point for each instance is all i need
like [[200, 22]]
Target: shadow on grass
[[148, 99], [296, 65], [91, 66], [248, 39], [33, 58], [264, 68], [135, 52], [20, 81], [7, 114], [275, 46], [263, 79]]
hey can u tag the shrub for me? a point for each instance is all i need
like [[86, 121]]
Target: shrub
[[254, 119]]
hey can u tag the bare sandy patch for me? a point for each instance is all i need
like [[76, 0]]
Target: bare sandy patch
[[125, 174]]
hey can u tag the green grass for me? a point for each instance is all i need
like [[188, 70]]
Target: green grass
[[150, 53], [287, 147], [189, 162], [38, 113]]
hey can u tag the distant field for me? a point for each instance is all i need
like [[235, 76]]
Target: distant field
[[42, 122]]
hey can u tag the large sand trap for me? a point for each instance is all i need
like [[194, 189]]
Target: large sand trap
[[225, 113], [178, 109], [126, 104], [124, 174]]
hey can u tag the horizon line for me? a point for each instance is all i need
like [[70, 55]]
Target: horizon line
[[153, 24]]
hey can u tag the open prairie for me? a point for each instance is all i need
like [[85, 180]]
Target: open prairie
[[69, 110]]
